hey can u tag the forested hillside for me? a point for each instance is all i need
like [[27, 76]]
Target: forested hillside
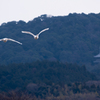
[[72, 38]]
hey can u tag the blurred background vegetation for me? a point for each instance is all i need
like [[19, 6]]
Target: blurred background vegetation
[[57, 65]]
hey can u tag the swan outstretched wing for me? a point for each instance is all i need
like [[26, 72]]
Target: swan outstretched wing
[[28, 33], [1, 39], [43, 30], [14, 41]]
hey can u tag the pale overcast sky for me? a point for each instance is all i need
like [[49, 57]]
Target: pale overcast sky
[[26, 10]]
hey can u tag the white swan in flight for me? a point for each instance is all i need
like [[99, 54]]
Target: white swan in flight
[[6, 39], [35, 36]]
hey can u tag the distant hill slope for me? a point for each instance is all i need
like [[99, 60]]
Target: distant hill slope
[[72, 38]]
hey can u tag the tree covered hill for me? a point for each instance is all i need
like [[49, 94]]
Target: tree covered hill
[[72, 38]]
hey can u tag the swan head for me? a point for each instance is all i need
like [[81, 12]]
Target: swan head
[[36, 37], [4, 39]]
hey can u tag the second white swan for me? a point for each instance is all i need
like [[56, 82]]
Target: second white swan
[[6, 39]]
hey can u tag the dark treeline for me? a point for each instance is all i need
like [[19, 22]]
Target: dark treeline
[[46, 80], [20, 75]]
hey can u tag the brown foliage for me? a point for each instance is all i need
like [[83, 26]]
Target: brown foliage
[[15, 96], [24, 96]]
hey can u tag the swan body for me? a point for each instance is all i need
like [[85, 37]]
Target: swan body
[[6, 39], [35, 36]]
